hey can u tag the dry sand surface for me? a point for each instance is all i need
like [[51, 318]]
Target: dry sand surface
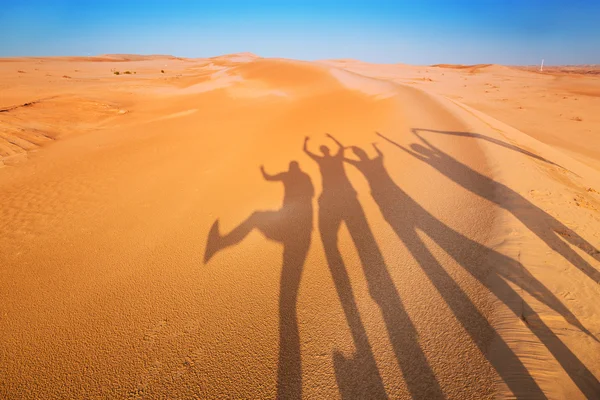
[[145, 254]]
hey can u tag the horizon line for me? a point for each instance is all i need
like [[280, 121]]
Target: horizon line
[[546, 64]]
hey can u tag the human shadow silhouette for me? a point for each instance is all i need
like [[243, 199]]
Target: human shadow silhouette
[[494, 141], [489, 267], [338, 203], [543, 225], [292, 227], [406, 217]]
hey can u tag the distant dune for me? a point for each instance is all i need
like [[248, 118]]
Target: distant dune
[[137, 57], [476, 68]]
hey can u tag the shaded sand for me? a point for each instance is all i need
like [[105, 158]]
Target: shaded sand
[[144, 252]]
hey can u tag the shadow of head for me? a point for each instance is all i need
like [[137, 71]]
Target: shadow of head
[[324, 149], [422, 150], [360, 153]]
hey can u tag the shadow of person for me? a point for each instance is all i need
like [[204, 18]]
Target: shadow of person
[[491, 140], [292, 227], [338, 203], [543, 225], [492, 269]]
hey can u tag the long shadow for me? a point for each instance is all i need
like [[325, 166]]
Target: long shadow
[[338, 203], [492, 140], [543, 225], [489, 267], [291, 226]]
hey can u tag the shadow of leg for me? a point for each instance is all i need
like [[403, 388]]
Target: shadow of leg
[[577, 371], [417, 372], [289, 370], [475, 323], [357, 377]]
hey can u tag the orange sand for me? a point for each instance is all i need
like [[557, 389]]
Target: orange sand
[[461, 264]]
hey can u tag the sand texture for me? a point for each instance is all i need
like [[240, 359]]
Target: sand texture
[[242, 227]]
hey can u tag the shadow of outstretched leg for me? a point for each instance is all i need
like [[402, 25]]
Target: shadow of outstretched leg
[[291, 226], [216, 242]]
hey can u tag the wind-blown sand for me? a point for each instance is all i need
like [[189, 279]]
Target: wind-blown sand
[[459, 259]]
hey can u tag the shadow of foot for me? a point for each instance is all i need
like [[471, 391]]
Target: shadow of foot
[[352, 375]]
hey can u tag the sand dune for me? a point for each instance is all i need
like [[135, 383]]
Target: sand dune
[[173, 234], [556, 108]]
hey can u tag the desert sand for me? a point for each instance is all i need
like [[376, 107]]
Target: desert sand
[[172, 233]]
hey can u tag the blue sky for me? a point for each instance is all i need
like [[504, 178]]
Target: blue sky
[[407, 31]]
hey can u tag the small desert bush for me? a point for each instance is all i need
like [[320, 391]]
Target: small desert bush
[[127, 72], [162, 71], [116, 73]]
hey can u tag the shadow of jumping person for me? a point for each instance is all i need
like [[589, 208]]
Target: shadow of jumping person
[[543, 225], [292, 227], [338, 203], [406, 217]]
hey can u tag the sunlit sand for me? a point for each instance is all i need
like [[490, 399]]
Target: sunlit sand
[[244, 227]]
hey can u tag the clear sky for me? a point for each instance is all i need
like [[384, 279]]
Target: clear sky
[[407, 31]]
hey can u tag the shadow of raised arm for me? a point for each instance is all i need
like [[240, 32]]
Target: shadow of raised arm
[[308, 152], [490, 140], [410, 152], [340, 145], [269, 177]]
